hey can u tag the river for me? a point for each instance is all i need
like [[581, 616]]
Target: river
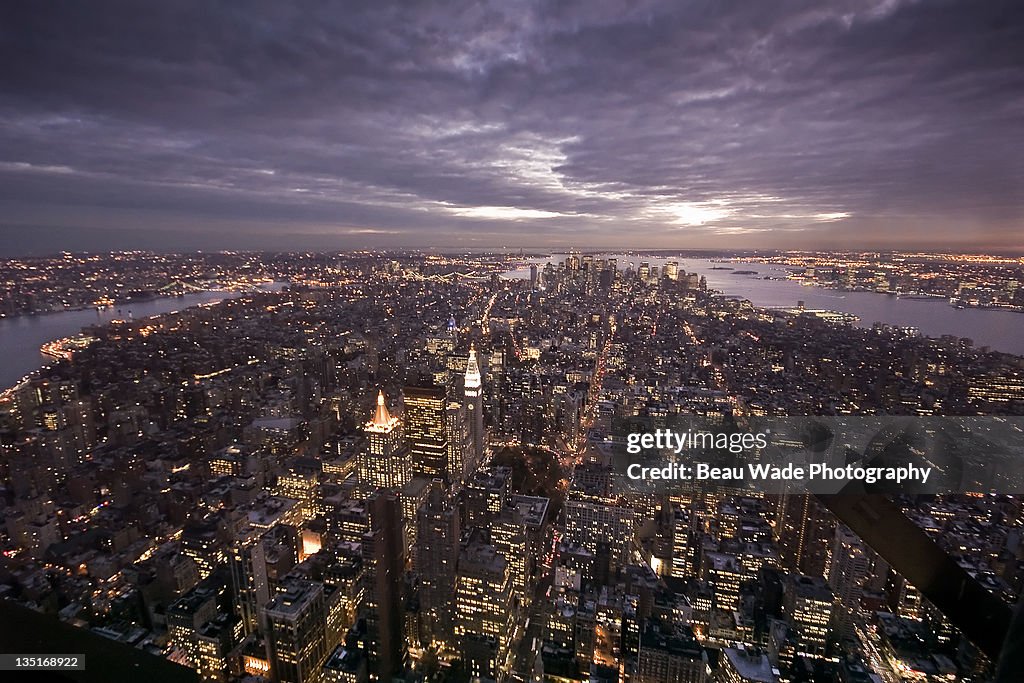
[[999, 330], [21, 336]]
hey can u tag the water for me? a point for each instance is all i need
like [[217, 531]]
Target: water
[[21, 337], [999, 330]]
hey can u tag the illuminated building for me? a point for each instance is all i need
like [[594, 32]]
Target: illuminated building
[[297, 633], [997, 389], [249, 583], [440, 345], [848, 569], [271, 511], [457, 441], [200, 541], [203, 634], [670, 655], [509, 536], [724, 572], [425, 433], [593, 516], [300, 487], [384, 463], [345, 665], [474, 407], [804, 530], [682, 547], [414, 496], [274, 435], [211, 649], [346, 574], [228, 462], [486, 494], [186, 616], [347, 520], [437, 553], [808, 604], [483, 608]]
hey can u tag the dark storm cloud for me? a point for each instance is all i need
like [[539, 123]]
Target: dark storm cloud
[[659, 123]]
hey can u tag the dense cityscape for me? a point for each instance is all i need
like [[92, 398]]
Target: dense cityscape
[[399, 467], [966, 280]]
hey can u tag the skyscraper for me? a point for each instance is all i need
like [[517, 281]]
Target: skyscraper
[[670, 654], [457, 441], [384, 554], [296, 633], [483, 607], [509, 536], [437, 553], [848, 570], [384, 463], [474, 407], [809, 604], [425, 432], [249, 582], [804, 531]]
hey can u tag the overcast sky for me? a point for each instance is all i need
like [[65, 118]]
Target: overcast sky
[[682, 123]]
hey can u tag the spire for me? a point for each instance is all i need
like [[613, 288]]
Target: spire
[[472, 369], [381, 418]]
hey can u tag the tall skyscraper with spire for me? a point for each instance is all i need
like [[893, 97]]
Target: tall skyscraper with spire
[[474, 407], [384, 463]]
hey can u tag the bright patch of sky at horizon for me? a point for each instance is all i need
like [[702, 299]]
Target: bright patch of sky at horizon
[[592, 123]]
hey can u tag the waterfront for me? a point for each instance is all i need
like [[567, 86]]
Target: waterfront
[[999, 330], [21, 336]]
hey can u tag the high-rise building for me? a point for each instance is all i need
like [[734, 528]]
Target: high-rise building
[[437, 554], [593, 516], [486, 494], [808, 603], [186, 618], [457, 443], [414, 497], [483, 608], [297, 632], [249, 583], [300, 486], [384, 463], [671, 655], [683, 556], [474, 407], [510, 536], [804, 531], [425, 433], [201, 541], [384, 556], [345, 665], [848, 569], [725, 573]]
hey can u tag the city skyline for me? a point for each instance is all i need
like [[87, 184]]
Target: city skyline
[[388, 467], [659, 125]]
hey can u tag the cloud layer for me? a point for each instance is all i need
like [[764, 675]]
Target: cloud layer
[[511, 123]]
